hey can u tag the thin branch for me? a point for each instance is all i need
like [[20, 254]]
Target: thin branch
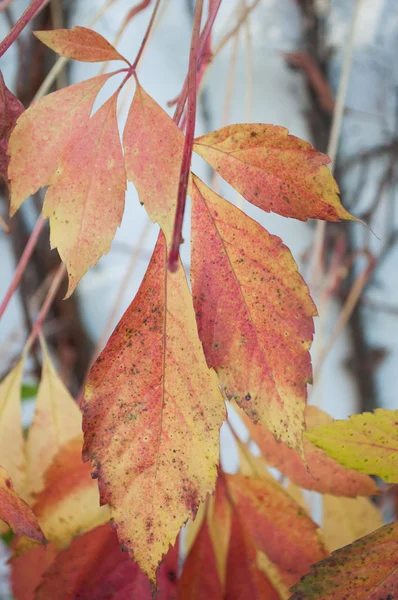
[[146, 36], [22, 22], [235, 29], [189, 136], [334, 138], [27, 253]]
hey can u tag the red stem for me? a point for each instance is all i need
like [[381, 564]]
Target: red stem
[[26, 18], [202, 47], [189, 136], [146, 36], [23, 261]]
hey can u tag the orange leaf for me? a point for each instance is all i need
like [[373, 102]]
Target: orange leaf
[[151, 416], [244, 577], [69, 503], [15, 512], [321, 473], [79, 43], [275, 171], [12, 456], [10, 110], [153, 147], [43, 131], [85, 201], [242, 275], [57, 420], [278, 527], [364, 570], [199, 579]]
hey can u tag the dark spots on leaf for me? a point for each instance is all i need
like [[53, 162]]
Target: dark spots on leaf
[[248, 396], [171, 576], [8, 483]]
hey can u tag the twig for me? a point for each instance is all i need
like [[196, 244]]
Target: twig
[[334, 138], [22, 22], [19, 271], [189, 136], [146, 36], [233, 31], [56, 282]]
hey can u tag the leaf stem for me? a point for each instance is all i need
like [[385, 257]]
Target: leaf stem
[[27, 253], [23, 20], [54, 287], [146, 36], [188, 143], [202, 46]]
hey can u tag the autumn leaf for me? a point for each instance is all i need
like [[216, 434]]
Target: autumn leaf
[[79, 43], [277, 526], [322, 473], [254, 314], [43, 131], [275, 171], [151, 416], [28, 568], [57, 420], [347, 519], [200, 579], [153, 147], [364, 570], [12, 457], [15, 512], [85, 200], [10, 109], [69, 503], [367, 442]]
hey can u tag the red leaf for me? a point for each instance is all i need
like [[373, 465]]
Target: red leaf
[[275, 171], [79, 43], [10, 109], [244, 276], [94, 567], [15, 512], [28, 568]]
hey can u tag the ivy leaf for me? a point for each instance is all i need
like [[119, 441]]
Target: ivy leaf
[[245, 277], [85, 201], [153, 147], [79, 43], [367, 442], [275, 171], [151, 416], [364, 570], [320, 473], [57, 420], [15, 512], [69, 503], [42, 132], [347, 519], [12, 456], [10, 109]]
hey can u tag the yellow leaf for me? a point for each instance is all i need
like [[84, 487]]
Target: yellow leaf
[[151, 416], [367, 442], [57, 420], [347, 519], [12, 457]]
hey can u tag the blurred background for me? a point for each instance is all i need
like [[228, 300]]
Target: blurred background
[[283, 62]]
